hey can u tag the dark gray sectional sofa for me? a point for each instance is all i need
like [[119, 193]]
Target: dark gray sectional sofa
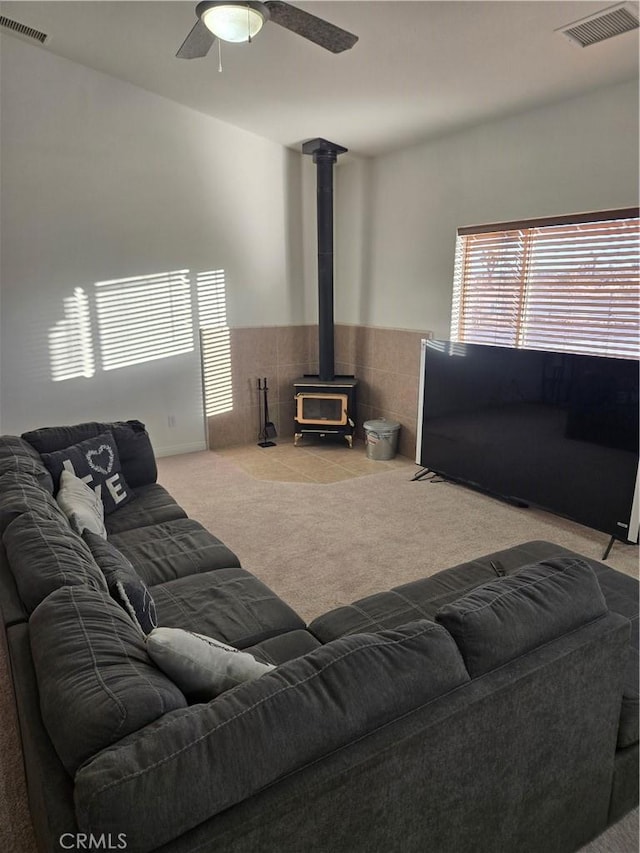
[[491, 707]]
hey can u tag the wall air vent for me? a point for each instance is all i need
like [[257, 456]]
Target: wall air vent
[[609, 22], [22, 30]]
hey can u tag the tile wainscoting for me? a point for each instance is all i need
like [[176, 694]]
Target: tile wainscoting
[[386, 363]]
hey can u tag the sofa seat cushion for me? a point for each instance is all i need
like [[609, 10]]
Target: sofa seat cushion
[[95, 679], [510, 616], [284, 647], [423, 598], [262, 730], [44, 555], [230, 605], [419, 599], [152, 505], [173, 549]]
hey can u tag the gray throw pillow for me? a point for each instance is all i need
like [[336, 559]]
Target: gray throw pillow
[[97, 463], [81, 505], [125, 585], [201, 666]]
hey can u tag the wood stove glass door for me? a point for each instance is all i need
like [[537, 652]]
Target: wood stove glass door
[[329, 409]]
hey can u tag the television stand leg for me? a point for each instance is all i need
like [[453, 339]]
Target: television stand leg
[[610, 545], [422, 473], [608, 548]]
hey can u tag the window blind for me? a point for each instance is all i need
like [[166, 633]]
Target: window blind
[[568, 285]]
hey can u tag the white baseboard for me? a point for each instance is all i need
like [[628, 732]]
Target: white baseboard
[[177, 449]]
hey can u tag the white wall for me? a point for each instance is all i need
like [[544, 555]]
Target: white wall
[[102, 180], [395, 261]]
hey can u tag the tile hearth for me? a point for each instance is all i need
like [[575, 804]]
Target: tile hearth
[[314, 462]]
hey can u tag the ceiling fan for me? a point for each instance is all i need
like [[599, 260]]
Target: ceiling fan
[[241, 21]]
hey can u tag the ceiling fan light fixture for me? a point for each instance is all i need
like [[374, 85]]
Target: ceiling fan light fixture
[[233, 22]]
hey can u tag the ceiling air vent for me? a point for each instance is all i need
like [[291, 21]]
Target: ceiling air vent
[[609, 22], [22, 29]]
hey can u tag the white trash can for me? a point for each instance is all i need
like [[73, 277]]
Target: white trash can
[[381, 438]]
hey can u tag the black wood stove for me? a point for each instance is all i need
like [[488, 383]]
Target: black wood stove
[[325, 407], [325, 403]]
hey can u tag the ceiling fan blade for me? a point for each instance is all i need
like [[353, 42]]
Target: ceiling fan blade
[[310, 27], [197, 43]]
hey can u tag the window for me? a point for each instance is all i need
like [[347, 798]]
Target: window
[[570, 285], [138, 319]]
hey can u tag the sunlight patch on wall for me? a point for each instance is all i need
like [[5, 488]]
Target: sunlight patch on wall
[[144, 318], [215, 342], [70, 343]]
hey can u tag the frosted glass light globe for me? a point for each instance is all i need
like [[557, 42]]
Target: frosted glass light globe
[[233, 22]]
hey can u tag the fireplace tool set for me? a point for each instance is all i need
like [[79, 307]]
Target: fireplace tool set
[[268, 430]]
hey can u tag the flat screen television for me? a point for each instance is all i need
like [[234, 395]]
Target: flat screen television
[[554, 430]]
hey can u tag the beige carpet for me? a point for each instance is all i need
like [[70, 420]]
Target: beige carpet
[[323, 544]]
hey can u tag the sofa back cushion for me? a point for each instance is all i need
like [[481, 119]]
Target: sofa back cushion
[[95, 679], [45, 554], [513, 615], [259, 731], [19, 457], [134, 446], [21, 492]]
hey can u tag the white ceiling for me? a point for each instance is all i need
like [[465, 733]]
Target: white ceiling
[[420, 69]]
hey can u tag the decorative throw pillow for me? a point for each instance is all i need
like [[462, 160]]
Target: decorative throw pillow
[[201, 666], [96, 462], [81, 505], [125, 585]]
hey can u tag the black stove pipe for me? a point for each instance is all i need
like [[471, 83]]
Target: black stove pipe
[[325, 155]]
